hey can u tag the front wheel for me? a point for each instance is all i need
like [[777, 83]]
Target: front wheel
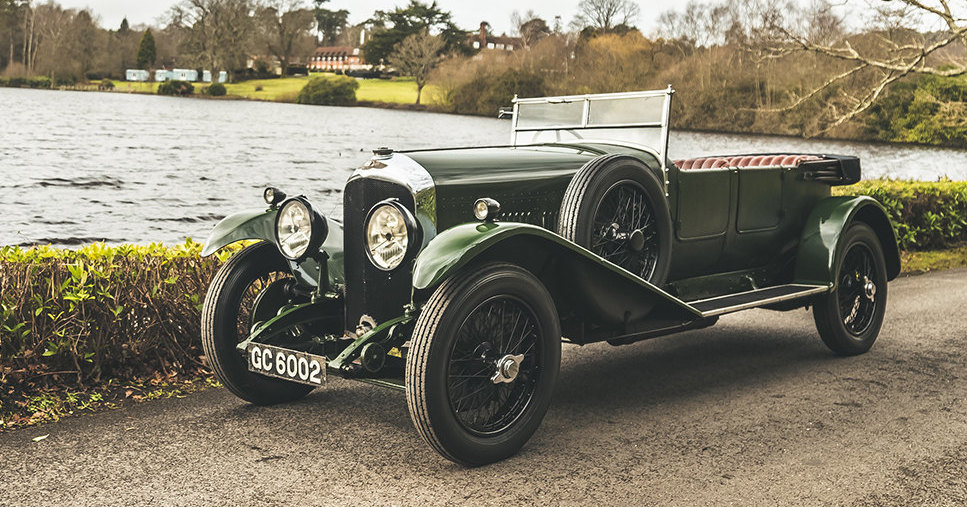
[[243, 292], [483, 361], [849, 318]]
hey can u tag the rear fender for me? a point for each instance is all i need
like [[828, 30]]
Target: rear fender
[[816, 259], [586, 288]]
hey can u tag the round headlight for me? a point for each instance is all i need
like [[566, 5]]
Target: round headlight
[[297, 229], [388, 234]]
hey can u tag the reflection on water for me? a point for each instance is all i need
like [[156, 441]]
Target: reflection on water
[[80, 167]]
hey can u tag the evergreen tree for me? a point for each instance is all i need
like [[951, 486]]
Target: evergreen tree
[[147, 53], [123, 29]]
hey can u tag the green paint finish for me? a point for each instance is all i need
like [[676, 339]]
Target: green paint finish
[[261, 225], [816, 259], [352, 351], [292, 316], [460, 245], [240, 226]]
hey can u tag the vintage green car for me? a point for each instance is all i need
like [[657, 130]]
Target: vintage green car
[[457, 273]]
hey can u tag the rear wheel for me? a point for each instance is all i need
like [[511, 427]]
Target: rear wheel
[[245, 290], [615, 206], [482, 364], [849, 318]]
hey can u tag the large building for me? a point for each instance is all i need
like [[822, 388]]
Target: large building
[[484, 40], [330, 58]]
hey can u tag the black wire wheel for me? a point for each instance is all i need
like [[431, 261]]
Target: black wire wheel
[[849, 317], [246, 290], [482, 363], [615, 206]]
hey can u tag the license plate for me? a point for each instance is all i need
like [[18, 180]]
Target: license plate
[[291, 365]]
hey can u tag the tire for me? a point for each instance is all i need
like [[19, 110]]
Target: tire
[[849, 318], [225, 322], [444, 352], [591, 215]]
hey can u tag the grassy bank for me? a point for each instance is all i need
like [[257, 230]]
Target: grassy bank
[[88, 328], [390, 91]]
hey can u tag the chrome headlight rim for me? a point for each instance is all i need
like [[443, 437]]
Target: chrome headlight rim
[[413, 236], [318, 228]]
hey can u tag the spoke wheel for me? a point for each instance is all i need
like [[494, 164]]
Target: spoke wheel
[[616, 207], [501, 334], [243, 292], [857, 290], [850, 316], [625, 231], [482, 363]]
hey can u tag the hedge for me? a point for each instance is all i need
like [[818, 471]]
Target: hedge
[[926, 215], [100, 312]]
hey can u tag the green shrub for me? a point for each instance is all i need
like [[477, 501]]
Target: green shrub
[[106, 84], [485, 94], [925, 109], [23, 82], [216, 90], [926, 215], [101, 312], [178, 88], [329, 91]]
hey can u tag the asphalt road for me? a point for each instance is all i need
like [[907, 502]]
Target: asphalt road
[[752, 411]]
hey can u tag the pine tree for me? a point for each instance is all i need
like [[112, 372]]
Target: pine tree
[[123, 30], [147, 53]]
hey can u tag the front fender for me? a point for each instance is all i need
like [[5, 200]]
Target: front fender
[[240, 226], [816, 259], [580, 282], [261, 225]]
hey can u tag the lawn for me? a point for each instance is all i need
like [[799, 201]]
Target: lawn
[[400, 90]]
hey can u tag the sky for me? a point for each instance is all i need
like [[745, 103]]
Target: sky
[[467, 14]]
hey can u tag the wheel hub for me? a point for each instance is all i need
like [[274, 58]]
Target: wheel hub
[[507, 369], [869, 288]]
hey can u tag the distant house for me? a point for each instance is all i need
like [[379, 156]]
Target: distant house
[[330, 58], [136, 75], [484, 40], [207, 76]]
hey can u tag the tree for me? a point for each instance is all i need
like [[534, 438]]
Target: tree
[[12, 16], [605, 15], [872, 62], [147, 52], [529, 27], [283, 29], [217, 33], [400, 23], [330, 24], [416, 56], [124, 28]]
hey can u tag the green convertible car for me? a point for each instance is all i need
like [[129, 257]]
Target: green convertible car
[[456, 274]]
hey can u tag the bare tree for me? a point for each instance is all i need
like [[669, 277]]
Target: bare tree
[[284, 28], [416, 56], [605, 15], [529, 27], [896, 48], [218, 32]]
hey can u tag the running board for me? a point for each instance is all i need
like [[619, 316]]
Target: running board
[[729, 303]]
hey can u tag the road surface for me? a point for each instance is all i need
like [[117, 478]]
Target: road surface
[[752, 411]]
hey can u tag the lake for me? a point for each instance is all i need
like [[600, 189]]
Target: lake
[[79, 167]]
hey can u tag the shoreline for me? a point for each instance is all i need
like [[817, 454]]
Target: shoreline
[[433, 108]]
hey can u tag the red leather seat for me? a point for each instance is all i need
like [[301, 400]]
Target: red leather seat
[[741, 161]]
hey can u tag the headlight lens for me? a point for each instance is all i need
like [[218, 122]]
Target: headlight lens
[[294, 229], [387, 237]]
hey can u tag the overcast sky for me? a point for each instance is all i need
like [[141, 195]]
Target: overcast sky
[[467, 14]]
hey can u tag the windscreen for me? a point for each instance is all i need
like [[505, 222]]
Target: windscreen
[[638, 118]]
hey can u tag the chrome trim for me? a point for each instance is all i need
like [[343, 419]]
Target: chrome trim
[[810, 290], [403, 170]]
